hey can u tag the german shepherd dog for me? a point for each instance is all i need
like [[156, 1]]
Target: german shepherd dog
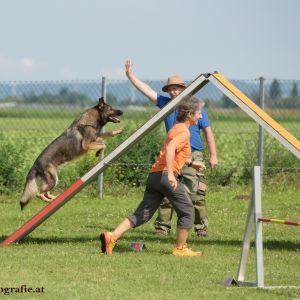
[[82, 135]]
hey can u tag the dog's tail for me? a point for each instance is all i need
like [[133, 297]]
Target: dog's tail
[[30, 189]]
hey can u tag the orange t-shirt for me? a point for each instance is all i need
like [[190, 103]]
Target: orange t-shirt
[[180, 135]]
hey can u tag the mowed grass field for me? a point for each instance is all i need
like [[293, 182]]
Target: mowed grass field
[[63, 255]]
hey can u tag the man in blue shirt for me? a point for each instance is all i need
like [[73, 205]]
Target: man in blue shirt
[[194, 181]]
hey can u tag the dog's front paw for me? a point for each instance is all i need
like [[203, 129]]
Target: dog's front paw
[[101, 147], [118, 131], [99, 152]]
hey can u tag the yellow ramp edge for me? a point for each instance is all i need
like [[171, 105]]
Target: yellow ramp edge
[[261, 113]]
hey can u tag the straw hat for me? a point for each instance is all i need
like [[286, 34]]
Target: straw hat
[[173, 80]]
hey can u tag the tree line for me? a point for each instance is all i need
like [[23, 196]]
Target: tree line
[[274, 98]]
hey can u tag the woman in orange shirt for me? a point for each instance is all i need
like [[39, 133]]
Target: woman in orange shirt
[[163, 181]]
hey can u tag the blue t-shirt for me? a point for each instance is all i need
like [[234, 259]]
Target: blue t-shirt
[[195, 140]]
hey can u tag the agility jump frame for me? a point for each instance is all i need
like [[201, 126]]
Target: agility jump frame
[[255, 219], [220, 82]]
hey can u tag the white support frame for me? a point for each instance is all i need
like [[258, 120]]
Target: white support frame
[[254, 212]]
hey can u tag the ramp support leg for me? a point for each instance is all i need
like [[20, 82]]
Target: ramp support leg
[[254, 212], [258, 227]]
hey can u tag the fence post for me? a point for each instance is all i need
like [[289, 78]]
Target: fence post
[[260, 130], [100, 177]]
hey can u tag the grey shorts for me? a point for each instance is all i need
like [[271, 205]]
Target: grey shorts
[[156, 189]]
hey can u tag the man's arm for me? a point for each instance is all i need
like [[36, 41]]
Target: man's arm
[[144, 88], [210, 140]]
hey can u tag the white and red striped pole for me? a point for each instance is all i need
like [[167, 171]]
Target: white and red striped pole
[[277, 221]]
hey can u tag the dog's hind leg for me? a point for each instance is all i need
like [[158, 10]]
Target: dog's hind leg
[[49, 196], [43, 197], [49, 181]]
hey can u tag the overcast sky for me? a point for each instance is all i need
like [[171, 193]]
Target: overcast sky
[[88, 39]]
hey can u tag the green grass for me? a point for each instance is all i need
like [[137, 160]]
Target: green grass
[[63, 254]]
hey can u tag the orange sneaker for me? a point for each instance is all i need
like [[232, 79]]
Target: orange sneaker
[[108, 242], [185, 251]]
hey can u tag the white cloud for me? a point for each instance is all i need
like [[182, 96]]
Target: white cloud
[[20, 68], [28, 68], [27, 62]]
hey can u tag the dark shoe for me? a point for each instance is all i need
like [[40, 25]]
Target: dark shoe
[[161, 232], [201, 233]]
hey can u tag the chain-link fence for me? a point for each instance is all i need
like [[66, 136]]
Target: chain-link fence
[[32, 114]]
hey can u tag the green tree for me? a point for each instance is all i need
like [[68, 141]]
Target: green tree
[[227, 103], [63, 91], [275, 90], [294, 92], [111, 99], [64, 96]]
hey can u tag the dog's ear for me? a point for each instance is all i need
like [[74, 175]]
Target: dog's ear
[[101, 102]]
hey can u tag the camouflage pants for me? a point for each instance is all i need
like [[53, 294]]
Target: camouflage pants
[[195, 185]]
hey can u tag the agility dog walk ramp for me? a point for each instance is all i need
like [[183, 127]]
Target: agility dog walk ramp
[[220, 82], [65, 196]]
